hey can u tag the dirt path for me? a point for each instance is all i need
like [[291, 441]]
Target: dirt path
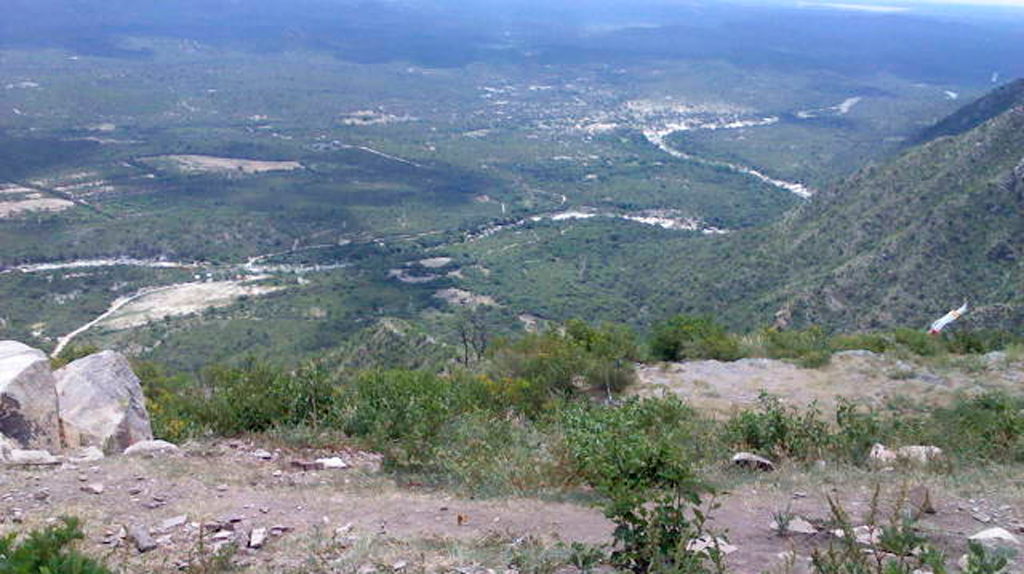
[[232, 489]]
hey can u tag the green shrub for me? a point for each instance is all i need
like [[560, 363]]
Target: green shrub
[[685, 337], [48, 551], [979, 342], [874, 342], [776, 430], [72, 353], [856, 432], [810, 346], [562, 364], [919, 342], [489, 454], [987, 427], [406, 415], [256, 396], [648, 488]]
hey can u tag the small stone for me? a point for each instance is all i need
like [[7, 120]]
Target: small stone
[[264, 510], [981, 517], [994, 535], [93, 488], [333, 463], [307, 465], [800, 526], [32, 458], [706, 542], [222, 488], [919, 454], [799, 494], [86, 454], [920, 500], [223, 535], [172, 523], [141, 538], [41, 495], [151, 448], [752, 461], [276, 474], [880, 455], [400, 565], [83, 478], [263, 454], [257, 537]]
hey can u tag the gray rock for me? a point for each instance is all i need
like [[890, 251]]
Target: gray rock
[[257, 537], [919, 454], [752, 461], [800, 526], [101, 403], [86, 454], [920, 500], [7, 445], [880, 455], [141, 538], [32, 458], [332, 463], [151, 448], [994, 536], [28, 397], [707, 542], [93, 488], [172, 523]]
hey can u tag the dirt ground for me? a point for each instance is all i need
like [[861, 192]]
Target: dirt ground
[[226, 489], [865, 377], [206, 163]]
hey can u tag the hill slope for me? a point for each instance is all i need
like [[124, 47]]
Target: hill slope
[[900, 242]]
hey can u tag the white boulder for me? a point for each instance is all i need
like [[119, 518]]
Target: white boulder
[[752, 461], [151, 448], [101, 403], [28, 397], [994, 535], [32, 458]]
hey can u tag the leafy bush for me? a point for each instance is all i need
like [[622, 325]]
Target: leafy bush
[[979, 342], [988, 427], [561, 364], [647, 484], [252, 397], [810, 347], [403, 413], [48, 551], [686, 337], [874, 342], [488, 454], [72, 353], [896, 547], [776, 430], [919, 342]]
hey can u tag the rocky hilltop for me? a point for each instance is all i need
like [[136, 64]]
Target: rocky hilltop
[[90, 407]]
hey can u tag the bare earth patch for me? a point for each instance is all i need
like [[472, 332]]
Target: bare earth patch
[[16, 200], [858, 375], [212, 164], [462, 298], [183, 299], [230, 488]]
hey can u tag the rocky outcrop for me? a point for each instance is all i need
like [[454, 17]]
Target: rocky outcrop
[[28, 397], [101, 403]]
